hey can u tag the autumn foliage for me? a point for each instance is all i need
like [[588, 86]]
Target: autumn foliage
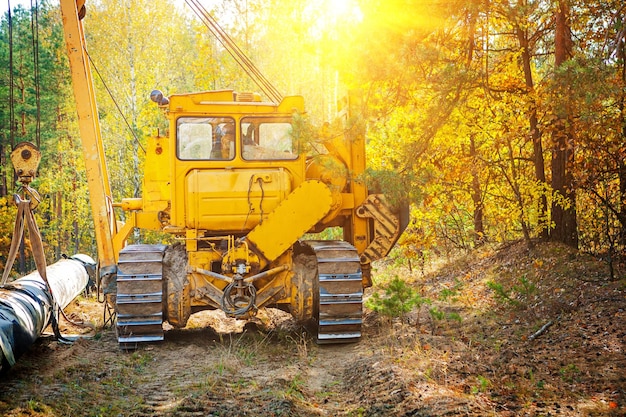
[[495, 120]]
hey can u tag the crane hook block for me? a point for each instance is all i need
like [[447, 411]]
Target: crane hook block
[[25, 158]]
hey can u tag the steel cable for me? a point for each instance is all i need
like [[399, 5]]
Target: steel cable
[[34, 24], [238, 55]]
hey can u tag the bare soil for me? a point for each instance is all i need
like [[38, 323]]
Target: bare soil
[[509, 332]]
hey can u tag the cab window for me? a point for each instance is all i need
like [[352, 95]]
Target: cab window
[[265, 138], [205, 138]]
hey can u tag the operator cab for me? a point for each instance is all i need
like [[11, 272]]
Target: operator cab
[[232, 161]]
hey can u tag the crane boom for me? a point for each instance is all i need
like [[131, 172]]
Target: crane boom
[[89, 126]]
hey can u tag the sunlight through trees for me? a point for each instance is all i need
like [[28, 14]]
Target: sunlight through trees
[[494, 120]]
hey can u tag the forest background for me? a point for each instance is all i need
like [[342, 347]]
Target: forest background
[[496, 120]]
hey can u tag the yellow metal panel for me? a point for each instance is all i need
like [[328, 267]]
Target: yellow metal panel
[[203, 259], [157, 172], [296, 215], [233, 200], [191, 240], [148, 220], [358, 230], [291, 104], [124, 229], [223, 101]]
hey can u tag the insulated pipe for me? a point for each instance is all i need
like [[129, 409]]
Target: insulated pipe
[[26, 304]]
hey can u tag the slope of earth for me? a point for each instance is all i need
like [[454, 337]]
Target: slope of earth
[[501, 332]]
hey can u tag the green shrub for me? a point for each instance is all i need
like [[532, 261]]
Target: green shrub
[[398, 299], [437, 314], [513, 296]]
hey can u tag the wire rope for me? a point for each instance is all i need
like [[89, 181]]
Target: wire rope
[[119, 109], [36, 78], [233, 49]]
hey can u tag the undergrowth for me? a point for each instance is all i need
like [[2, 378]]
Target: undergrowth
[[396, 299]]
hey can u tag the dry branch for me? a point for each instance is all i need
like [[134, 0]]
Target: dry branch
[[541, 331]]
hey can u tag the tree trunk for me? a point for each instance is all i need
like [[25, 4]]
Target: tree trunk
[[563, 212], [3, 176], [57, 200], [477, 198], [621, 53], [535, 133], [622, 188]]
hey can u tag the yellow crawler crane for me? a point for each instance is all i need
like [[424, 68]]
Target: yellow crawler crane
[[232, 183]]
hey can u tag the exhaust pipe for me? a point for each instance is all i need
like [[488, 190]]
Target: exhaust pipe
[[26, 304]]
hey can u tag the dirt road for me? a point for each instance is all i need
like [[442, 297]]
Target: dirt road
[[474, 352], [215, 367]]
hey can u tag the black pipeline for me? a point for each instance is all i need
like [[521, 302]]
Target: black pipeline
[[26, 304]]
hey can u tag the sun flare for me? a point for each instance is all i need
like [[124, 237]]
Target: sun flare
[[331, 14], [342, 9]]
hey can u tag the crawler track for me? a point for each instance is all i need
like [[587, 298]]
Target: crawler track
[[140, 295], [337, 292]]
